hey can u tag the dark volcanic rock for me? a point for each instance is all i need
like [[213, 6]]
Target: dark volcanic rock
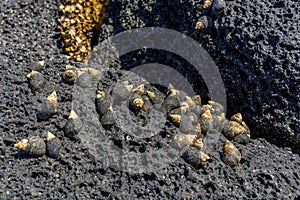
[[256, 48], [28, 33], [247, 68], [260, 42]]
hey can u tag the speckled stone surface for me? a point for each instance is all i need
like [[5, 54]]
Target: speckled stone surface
[[257, 51]]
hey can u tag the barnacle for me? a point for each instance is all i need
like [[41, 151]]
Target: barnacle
[[49, 107], [139, 90], [53, 145], [198, 143], [151, 95], [80, 17], [36, 80], [34, 146], [136, 103], [237, 117]]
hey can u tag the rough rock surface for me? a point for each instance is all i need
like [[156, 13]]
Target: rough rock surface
[[28, 33], [256, 48]]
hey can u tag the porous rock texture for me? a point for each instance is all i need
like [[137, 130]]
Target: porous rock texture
[[28, 33], [256, 47]]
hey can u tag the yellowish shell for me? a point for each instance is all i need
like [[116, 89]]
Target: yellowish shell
[[204, 157], [197, 99], [185, 140], [232, 155], [139, 89], [237, 117], [175, 118], [34, 146], [198, 143], [207, 4], [52, 98], [100, 94], [22, 144], [32, 73], [233, 128], [73, 115], [138, 103], [151, 95], [199, 25], [206, 115], [91, 71], [190, 101], [50, 136]]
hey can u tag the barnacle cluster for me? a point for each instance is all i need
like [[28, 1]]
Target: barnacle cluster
[[79, 19]]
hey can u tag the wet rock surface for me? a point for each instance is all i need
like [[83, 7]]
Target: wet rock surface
[[269, 105]]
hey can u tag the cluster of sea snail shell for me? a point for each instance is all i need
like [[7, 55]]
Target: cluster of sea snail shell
[[193, 120], [210, 10], [48, 144]]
